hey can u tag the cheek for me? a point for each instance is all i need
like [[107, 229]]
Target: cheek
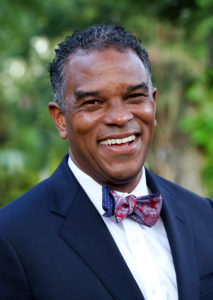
[[146, 114], [83, 125]]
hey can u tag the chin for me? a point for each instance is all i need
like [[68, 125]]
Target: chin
[[125, 176]]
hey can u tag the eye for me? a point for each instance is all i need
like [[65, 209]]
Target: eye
[[91, 105], [137, 95], [136, 98], [91, 102]]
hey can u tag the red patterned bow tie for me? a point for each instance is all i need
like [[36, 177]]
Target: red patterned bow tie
[[144, 210]]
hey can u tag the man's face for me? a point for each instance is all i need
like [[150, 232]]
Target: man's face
[[110, 115]]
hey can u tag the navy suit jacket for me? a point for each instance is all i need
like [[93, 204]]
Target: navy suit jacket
[[54, 244]]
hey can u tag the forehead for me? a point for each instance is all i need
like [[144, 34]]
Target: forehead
[[101, 67]]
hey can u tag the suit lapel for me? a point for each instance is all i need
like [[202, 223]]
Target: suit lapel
[[86, 233], [180, 237]]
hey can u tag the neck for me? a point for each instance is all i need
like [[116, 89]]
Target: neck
[[124, 186]]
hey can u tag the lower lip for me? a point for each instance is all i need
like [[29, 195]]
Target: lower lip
[[126, 148]]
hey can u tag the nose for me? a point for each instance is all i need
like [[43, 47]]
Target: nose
[[118, 114]]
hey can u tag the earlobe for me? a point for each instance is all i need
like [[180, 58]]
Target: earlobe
[[58, 118]]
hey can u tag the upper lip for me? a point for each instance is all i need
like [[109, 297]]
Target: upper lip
[[117, 136]]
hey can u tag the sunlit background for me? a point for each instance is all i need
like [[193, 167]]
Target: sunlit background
[[178, 35]]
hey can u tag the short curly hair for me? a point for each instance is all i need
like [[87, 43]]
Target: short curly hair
[[91, 38]]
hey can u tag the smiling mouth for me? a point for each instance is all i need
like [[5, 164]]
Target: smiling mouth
[[128, 139]]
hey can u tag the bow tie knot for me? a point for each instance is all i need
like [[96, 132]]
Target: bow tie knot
[[124, 206], [144, 210]]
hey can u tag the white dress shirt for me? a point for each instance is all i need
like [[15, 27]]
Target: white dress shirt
[[146, 250]]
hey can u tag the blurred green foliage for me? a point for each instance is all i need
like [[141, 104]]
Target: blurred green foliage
[[178, 35]]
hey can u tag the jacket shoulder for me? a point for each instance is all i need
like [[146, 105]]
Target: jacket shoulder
[[33, 207], [24, 207]]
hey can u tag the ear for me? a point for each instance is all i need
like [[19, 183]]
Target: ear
[[58, 118], [154, 96]]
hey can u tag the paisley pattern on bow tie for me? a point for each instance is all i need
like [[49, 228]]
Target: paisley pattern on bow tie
[[144, 210]]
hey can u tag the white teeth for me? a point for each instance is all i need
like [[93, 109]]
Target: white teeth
[[118, 141]]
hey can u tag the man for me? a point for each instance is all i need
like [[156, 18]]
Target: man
[[58, 241]]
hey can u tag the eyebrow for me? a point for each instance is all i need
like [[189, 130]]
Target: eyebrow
[[81, 94], [142, 85]]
